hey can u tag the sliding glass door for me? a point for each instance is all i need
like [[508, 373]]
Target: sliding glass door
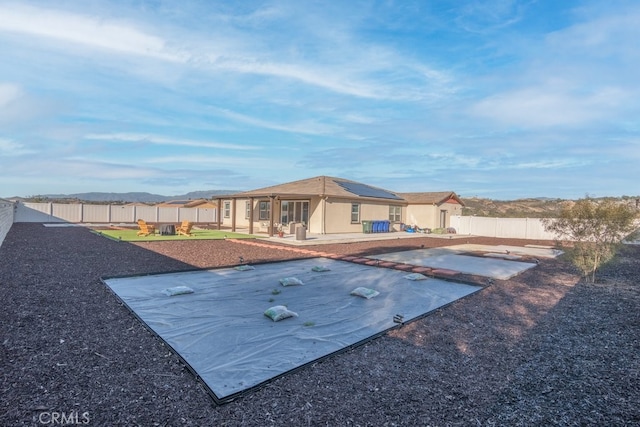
[[294, 211]]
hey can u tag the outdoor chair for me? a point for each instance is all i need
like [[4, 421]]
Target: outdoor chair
[[145, 229], [184, 228]]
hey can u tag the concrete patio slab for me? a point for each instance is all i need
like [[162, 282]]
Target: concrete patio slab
[[443, 258]]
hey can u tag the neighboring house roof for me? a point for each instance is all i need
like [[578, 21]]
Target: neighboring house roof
[[322, 186], [431, 198], [198, 203]]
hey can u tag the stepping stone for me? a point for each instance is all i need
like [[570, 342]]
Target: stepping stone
[[445, 272], [361, 260], [403, 267], [422, 270], [349, 258], [387, 264]]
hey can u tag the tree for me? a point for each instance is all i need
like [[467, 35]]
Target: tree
[[592, 231]]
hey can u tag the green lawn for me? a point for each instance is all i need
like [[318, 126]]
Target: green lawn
[[196, 234]]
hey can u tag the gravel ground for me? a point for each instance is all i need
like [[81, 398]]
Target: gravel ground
[[543, 348]]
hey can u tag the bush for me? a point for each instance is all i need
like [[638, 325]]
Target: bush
[[591, 231]]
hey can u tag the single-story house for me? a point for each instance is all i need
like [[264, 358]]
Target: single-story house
[[328, 205]]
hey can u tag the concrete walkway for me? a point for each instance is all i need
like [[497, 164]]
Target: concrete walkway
[[320, 239]]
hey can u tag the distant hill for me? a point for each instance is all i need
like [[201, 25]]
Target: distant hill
[[521, 208], [135, 197], [539, 207]]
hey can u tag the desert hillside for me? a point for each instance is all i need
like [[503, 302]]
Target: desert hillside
[[524, 208]]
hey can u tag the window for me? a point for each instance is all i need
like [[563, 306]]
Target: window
[[395, 213], [355, 212], [247, 210], [284, 213], [227, 209], [294, 211], [265, 209]]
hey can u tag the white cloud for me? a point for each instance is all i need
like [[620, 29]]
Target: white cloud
[[85, 30], [161, 140], [8, 94], [10, 148], [544, 105]]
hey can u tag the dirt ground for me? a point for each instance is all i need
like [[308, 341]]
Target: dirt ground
[[543, 348]]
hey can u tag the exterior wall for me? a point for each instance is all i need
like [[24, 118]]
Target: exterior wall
[[6, 218], [260, 225], [339, 214], [428, 216], [240, 214]]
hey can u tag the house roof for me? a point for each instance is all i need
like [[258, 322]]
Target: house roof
[[323, 186], [344, 188], [431, 198]]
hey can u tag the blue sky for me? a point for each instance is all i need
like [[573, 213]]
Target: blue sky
[[490, 98]]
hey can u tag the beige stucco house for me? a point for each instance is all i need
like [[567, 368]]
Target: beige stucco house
[[328, 205]]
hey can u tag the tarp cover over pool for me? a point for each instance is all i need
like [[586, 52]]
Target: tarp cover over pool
[[221, 331]]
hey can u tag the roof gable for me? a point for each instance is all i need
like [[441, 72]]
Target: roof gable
[[432, 198]]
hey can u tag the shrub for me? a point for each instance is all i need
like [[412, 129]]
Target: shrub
[[593, 231]]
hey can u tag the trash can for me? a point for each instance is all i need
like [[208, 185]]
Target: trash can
[[374, 226], [387, 226], [366, 226], [301, 232]]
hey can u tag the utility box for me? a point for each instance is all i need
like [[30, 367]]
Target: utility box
[[301, 232]]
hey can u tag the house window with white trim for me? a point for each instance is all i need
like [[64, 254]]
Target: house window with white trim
[[395, 213], [247, 210], [265, 210], [355, 213], [227, 209]]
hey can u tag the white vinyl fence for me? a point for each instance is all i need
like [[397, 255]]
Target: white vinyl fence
[[84, 213], [6, 218], [515, 228]]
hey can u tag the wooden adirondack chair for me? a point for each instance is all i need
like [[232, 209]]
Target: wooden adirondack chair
[[145, 229], [185, 228]]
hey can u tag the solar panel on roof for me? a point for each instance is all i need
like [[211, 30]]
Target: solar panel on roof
[[364, 190]]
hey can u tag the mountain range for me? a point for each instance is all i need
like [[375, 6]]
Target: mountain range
[[139, 197]]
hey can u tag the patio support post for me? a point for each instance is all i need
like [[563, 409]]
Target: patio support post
[[250, 215], [272, 207], [233, 215], [219, 203]]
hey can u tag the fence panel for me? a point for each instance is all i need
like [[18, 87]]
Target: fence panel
[[187, 214], [147, 213], [68, 213], [206, 215], [122, 213], [6, 218], [95, 213], [168, 214], [511, 228]]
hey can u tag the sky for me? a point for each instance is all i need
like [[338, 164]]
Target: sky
[[489, 98]]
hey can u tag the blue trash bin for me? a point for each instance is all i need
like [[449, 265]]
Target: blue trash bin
[[385, 225], [376, 226]]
